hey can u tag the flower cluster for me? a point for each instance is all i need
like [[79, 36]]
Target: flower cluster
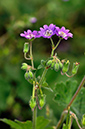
[[48, 32]]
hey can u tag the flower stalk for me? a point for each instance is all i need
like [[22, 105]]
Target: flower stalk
[[31, 55]]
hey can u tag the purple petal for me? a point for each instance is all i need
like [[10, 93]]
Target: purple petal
[[45, 27], [70, 35], [22, 35]]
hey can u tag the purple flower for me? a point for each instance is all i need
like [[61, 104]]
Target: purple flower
[[47, 31], [36, 34], [64, 33], [29, 34], [33, 19]]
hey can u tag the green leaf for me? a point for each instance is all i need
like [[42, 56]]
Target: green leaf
[[17, 124], [42, 122], [46, 86], [40, 66], [64, 92]]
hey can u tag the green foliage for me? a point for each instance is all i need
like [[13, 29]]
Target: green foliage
[[64, 92], [42, 123], [17, 124]]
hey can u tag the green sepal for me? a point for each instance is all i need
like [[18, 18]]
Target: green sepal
[[75, 68], [60, 64], [65, 66], [56, 66], [32, 103], [42, 100], [24, 66], [30, 74], [52, 65], [49, 63], [26, 75], [26, 47]]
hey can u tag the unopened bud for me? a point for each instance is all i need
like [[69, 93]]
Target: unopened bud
[[52, 65], [60, 64], [26, 47], [75, 68], [56, 67], [26, 75], [65, 66], [42, 101], [30, 74], [49, 63], [32, 103], [24, 66]]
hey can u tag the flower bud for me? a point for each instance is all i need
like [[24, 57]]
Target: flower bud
[[83, 120], [75, 68], [60, 64], [42, 101], [26, 47], [56, 66], [30, 74], [26, 75], [32, 103], [52, 65], [65, 66], [24, 66], [49, 63]]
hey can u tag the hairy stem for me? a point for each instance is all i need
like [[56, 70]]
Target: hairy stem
[[34, 117]]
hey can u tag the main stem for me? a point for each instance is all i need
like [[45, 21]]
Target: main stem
[[31, 55], [63, 114], [34, 117]]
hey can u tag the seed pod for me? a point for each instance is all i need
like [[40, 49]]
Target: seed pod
[[75, 68], [32, 103], [26, 47], [56, 66], [65, 66], [26, 75], [30, 74], [42, 101], [49, 63], [52, 65], [24, 66], [60, 64]]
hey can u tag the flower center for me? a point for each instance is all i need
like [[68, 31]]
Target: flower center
[[48, 32], [61, 33], [30, 35]]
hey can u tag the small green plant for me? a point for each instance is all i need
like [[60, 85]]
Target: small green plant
[[37, 100]]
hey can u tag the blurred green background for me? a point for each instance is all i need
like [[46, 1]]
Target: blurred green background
[[15, 16]]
